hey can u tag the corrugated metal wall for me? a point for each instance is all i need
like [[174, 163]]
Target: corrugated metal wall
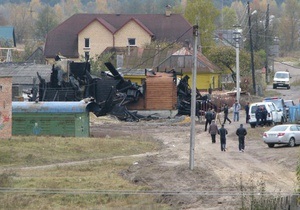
[[50, 119]]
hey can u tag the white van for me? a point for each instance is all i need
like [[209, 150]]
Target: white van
[[274, 116], [281, 79]]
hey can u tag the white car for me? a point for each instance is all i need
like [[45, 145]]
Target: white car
[[281, 79], [275, 115], [288, 134]]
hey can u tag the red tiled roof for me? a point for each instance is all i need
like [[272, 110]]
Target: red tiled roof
[[64, 38]]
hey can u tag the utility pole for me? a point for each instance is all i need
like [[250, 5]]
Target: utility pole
[[267, 43], [237, 36], [251, 50], [193, 100]]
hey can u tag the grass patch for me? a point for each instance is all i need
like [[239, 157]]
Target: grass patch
[[34, 151], [94, 184], [296, 83], [271, 93]]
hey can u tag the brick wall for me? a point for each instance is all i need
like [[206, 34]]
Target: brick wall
[[5, 107]]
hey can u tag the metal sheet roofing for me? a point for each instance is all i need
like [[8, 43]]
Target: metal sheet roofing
[[48, 107], [24, 73]]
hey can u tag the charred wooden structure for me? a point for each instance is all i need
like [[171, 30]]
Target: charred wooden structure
[[112, 94]]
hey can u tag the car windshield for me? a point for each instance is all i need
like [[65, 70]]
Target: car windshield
[[282, 75], [279, 128], [254, 108], [277, 102], [289, 103]]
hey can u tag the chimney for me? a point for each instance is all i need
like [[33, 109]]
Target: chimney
[[168, 10]]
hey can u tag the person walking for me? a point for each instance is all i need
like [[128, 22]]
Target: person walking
[[223, 132], [213, 130], [247, 112], [208, 118], [225, 110], [236, 111], [241, 132]]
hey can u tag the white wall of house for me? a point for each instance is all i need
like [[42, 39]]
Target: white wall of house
[[132, 30], [99, 37]]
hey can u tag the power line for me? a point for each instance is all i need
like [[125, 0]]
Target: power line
[[172, 43]]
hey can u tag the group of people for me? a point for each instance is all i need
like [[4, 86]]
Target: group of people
[[212, 115], [210, 120], [241, 132], [261, 114]]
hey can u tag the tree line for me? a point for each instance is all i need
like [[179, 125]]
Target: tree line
[[33, 19]]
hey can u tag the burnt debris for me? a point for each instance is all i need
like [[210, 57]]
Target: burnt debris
[[108, 94], [184, 92]]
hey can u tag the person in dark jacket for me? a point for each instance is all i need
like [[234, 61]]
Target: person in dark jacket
[[213, 130], [241, 132], [225, 110], [208, 118], [247, 112], [264, 114], [223, 132], [258, 116]]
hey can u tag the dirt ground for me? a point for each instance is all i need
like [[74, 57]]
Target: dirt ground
[[214, 183]]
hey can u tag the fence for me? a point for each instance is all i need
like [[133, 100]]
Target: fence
[[294, 114]]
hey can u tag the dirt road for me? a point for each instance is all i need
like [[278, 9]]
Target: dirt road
[[215, 181], [217, 177]]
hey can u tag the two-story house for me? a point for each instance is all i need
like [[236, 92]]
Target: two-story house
[[91, 34]]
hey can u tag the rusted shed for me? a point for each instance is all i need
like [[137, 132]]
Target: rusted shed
[[160, 93]]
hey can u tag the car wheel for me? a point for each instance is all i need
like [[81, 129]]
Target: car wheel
[[252, 125], [271, 145], [288, 87], [292, 142], [274, 86]]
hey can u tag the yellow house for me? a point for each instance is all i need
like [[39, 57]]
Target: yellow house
[[139, 60], [85, 35], [208, 74]]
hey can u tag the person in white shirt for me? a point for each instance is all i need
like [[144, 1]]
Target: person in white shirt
[[236, 111]]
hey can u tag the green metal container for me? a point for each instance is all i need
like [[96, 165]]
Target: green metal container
[[50, 119]]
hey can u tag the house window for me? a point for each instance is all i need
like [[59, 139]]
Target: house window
[[87, 42], [131, 41]]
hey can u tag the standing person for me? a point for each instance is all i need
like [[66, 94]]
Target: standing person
[[213, 130], [236, 111], [247, 112], [213, 112], [241, 132], [258, 115], [225, 109], [208, 118], [223, 132], [264, 114], [218, 118]]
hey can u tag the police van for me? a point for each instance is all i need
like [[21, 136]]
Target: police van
[[274, 116]]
